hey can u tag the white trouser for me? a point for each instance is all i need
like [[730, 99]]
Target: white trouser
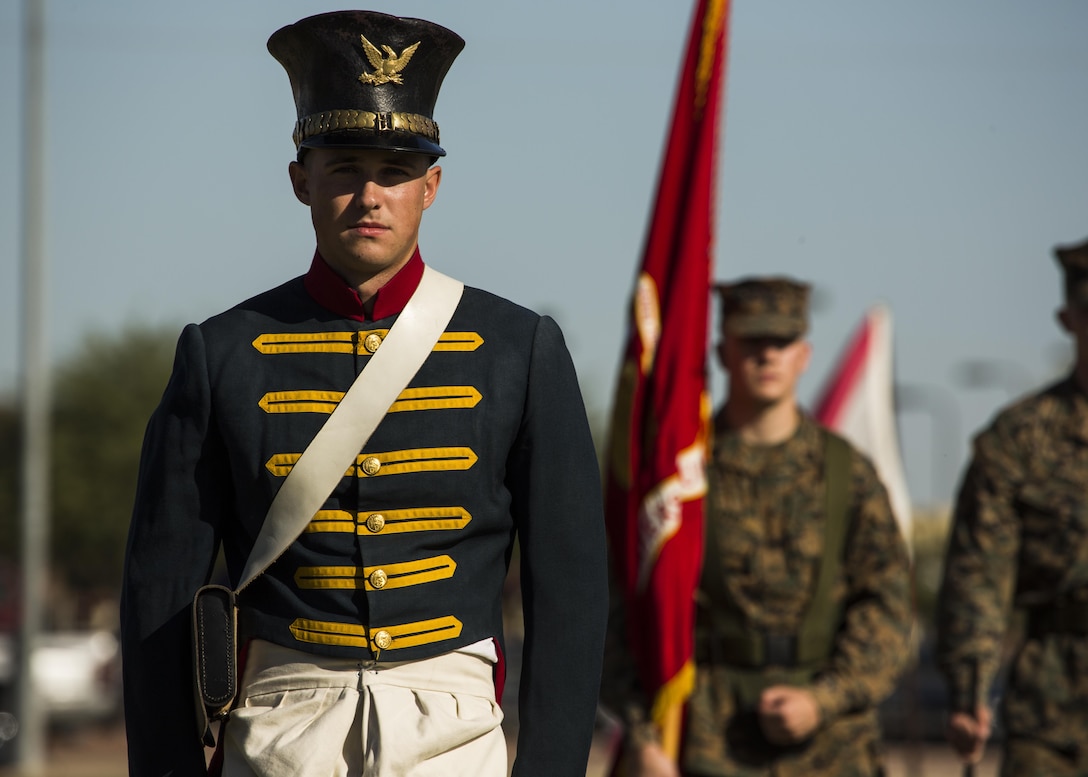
[[302, 715]]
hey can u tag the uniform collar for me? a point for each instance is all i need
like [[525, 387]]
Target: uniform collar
[[731, 452], [331, 292]]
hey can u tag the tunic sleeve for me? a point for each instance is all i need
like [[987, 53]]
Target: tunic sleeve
[[554, 478], [182, 494]]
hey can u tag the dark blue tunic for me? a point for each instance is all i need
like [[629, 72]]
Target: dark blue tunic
[[490, 442]]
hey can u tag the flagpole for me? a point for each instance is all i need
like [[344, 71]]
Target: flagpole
[[34, 400], [944, 413]]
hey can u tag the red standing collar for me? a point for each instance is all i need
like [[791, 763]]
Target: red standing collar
[[331, 292]]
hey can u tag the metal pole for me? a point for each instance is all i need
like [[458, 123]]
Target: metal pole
[[35, 397], [940, 403], [969, 768], [1013, 377]]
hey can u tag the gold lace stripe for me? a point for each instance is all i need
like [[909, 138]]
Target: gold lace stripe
[[300, 401], [348, 119], [280, 464], [419, 460], [426, 398], [355, 634], [459, 341], [392, 462], [329, 633], [329, 577], [423, 632], [332, 521], [314, 342], [399, 575], [436, 398], [396, 521], [352, 342]]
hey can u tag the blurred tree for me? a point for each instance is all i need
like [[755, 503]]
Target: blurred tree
[[104, 395]]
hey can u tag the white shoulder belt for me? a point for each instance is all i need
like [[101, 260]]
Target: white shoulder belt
[[335, 447]]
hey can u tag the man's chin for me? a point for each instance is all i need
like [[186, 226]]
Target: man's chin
[[767, 397]]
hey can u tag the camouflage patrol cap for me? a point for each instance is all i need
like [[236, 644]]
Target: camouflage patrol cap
[[1074, 262], [764, 307]]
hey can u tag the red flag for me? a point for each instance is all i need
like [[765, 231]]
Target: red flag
[[655, 480], [858, 402]]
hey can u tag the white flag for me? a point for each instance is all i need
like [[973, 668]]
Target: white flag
[[858, 402]]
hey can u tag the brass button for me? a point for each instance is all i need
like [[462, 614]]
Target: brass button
[[371, 465], [376, 522], [372, 342], [378, 578], [383, 639]]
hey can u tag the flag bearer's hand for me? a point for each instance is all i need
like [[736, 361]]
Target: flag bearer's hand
[[787, 715], [650, 760], [968, 734]]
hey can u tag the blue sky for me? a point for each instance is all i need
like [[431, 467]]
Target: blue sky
[[926, 154]]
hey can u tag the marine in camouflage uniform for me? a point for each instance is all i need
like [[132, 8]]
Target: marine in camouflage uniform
[[1020, 542], [774, 610]]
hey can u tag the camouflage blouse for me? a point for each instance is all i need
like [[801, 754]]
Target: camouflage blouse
[[768, 504], [1020, 540]]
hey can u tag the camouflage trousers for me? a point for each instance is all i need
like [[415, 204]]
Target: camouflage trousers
[[1045, 709], [723, 738], [1031, 758]]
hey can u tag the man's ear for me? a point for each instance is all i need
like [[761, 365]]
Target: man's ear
[[430, 191], [300, 182], [806, 356]]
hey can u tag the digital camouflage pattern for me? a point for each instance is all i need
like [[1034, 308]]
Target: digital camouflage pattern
[[764, 307], [768, 504], [1020, 541]]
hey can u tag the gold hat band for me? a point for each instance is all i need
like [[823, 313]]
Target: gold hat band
[[331, 121]]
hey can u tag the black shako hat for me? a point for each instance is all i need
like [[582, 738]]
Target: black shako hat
[[363, 79]]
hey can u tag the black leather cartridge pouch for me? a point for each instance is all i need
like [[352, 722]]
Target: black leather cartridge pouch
[[215, 655]]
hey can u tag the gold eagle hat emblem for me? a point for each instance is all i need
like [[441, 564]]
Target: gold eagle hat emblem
[[387, 67]]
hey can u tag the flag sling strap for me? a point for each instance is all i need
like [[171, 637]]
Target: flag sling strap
[[343, 435]]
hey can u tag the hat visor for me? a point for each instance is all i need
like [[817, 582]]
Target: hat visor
[[361, 138], [764, 326]]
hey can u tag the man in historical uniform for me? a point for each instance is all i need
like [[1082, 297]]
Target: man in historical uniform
[[1020, 541], [373, 644], [803, 612]]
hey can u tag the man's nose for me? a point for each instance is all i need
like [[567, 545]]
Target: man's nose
[[368, 195]]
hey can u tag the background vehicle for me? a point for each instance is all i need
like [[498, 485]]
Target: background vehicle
[[77, 676]]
